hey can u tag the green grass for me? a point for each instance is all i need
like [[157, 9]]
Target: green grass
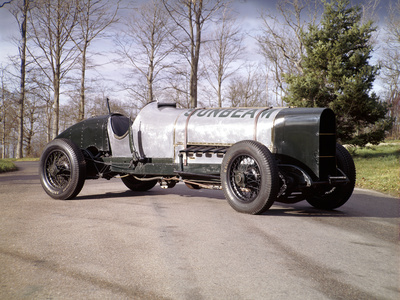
[[378, 168], [7, 165]]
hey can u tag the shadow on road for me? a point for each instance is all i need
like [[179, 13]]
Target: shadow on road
[[363, 203], [180, 191]]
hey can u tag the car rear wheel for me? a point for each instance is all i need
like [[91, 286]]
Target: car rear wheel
[[249, 177], [62, 169], [338, 195], [138, 185]]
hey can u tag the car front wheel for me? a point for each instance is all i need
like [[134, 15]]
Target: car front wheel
[[249, 177]]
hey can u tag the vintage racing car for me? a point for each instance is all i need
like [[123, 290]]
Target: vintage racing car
[[255, 155]]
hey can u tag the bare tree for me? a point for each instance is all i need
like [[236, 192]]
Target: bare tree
[[144, 43], [31, 126], [179, 86], [249, 89], [190, 16], [41, 90], [281, 40], [20, 12], [390, 63], [93, 18], [98, 104], [369, 10], [5, 99], [225, 46], [52, 23], [8, 115]]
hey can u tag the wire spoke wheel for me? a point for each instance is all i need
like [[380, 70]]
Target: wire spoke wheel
[[249, 177], [245, 178], [62, 169], [58, 169]]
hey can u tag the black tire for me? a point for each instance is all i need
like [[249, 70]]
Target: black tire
[[62, 169], [138, 185], [249, 177], [339, 195]]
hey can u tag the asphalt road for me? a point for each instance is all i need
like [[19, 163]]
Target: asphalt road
[[110, 243]]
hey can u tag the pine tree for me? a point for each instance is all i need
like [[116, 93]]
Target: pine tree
[[337, 74]]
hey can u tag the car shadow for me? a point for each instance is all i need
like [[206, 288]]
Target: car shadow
[[303, 209], [361, 204], [179, 190]]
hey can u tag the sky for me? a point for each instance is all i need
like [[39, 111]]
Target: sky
[[248, 12]]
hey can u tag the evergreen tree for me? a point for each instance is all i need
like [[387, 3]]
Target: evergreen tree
[[337, 74]]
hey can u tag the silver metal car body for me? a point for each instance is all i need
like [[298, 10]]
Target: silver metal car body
[[163, 131], [166, 130]]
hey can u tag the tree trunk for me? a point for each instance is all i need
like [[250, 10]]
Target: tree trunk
[[196, 41], [219, 91], [81, 113], [3, 121], [48, 124], [19, 153], [150, 86], [56, 107]]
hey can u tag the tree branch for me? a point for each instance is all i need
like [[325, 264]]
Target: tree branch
[[4, 3]]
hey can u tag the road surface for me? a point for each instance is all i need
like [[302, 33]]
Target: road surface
[[111, 243]]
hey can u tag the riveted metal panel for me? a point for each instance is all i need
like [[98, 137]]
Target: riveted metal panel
[[306, 136], [89, 133]]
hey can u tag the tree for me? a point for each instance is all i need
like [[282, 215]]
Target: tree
[[93, 18], [8, 115], [391, 66], [248, 90], [20, 12], [223, 49], [4, 108], [31, 126], [145, 45], [52, 24], [180, 86], [281, 41], [337, 74], [41, 91], [190, 16]]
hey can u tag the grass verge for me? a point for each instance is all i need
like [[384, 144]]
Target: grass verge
[[7, 165], [378, 168]]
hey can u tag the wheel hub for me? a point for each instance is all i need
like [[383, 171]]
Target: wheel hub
[[53, 170], [240, 179]]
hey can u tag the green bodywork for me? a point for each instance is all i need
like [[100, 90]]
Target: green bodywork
[[306, 138], [89, 133]]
